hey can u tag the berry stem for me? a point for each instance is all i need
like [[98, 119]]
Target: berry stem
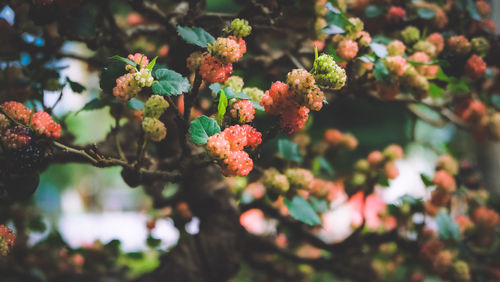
[[191, 96]]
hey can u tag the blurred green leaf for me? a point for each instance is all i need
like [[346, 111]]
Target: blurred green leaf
[[427, 180], [381, 72], [447, 227], [109, 74], [95, 104], [435, 91], [373, 11], [379, 49], [135, 104], [426, 13], [302, 211], [289, 150], [319, 205]]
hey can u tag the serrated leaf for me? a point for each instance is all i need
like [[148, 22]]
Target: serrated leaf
[[435, 91], [202, 128], [135, 104], [195, 35], [221, 109], [379, 49], [109, 75], [427, 180], [426, 13], [447, 227], [95, 104], [125, 60], [289, 150], [302, 211], [319, 205], [373, 11], [152, 64], [170, 82], [75, 86]]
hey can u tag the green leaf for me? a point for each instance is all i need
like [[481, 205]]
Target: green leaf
[[442, 76], [472, 9], [332, 29], [373, 11], [289, 150], [382, 39], [427, 180], [202, 128], [75, 86], [379, 49], [125, 60], [458, 85], [495, 100], [368, 58], [322, 163], [170, 82], [95, 104], [319, 205], [447, 227], [135, 104], [381, 72], [426, 13], [257, 106], [383, 181], [221, 109], [109, 75], [302, 211], [435, 91], [195, 35], [153, 242], [152, 64]]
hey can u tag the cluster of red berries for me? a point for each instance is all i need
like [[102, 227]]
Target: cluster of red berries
[[443, 261], [16, 135], [216, 65], [7, 239], [377, 164], [445, 183], [484, 122], [336, 138], [293, 100], [227, 147]]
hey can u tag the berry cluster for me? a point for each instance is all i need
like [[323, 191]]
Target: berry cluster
[[243, 111], [154, 129], [131, 83], [216, 66], [227, 147], [25, 125], [327, 73], [7, 239], [335, 138], [445, 183], [348, 45], [377, 164]]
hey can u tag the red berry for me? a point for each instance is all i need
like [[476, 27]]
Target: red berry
[[42, 123], [241, 42], [243, 111], [294, 119], [254, 138], [214, 70], [395, 14], [226, 49], [237, 137], [444, 180], [347, 49], [218, 146], [7, 239], [475, 67], [238, 163], [375, 158], [17, 111]]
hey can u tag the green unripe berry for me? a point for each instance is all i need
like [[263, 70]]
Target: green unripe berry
[[410, 34], [254, 93], [154, 129], [358, 179], [299, 178], [155, 106], [362, 165], [357, 26], [235, 82], [480, 45], [239, 28], [426, 47], [327, 73], [275, 182]]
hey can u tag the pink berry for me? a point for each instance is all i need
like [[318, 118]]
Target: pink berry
[[43, 124], [243, 111], [218, 146], [347, 49], [475, 67], [395, 14], [17, 111], [238, 163], [214, 70]]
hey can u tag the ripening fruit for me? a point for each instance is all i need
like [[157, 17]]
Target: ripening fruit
[[17, 111], [485, 218], [275, 182], [391, 170], [483, 8], [4, 122], [243, 111], [375, 158], [364, 38], [300, 81], [480, 46], [459, 44], [144, 78], [16, 137], [193, 62], [154, 129], [347, 49], [443, 179], [475, 67], [395, 14], [218, 146], [461, 271], [254, 93], [314, 99], [254, 138], [396, 48], [438, 41], [426, 47], [42, 123], [410, 34], [225, 49], [447, 163], [235, 82], [139, 59], [7, 239], [241, 42], [126, 87], [294, 119], [299, 178], [155, 106], [393, 152], [387, 92], [238, 163], [277, 98], [328, 74], [396, 65], [333, 137], [443, 262], [214, 70]]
